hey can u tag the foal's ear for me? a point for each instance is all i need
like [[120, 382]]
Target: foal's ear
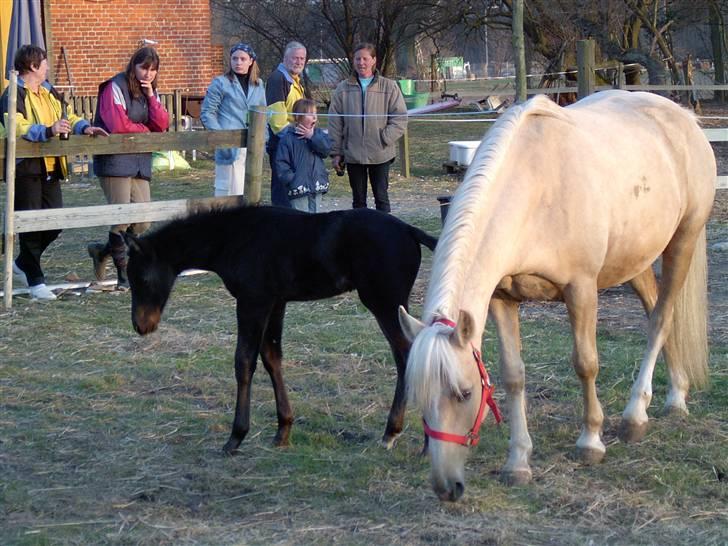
[[465, 330], [132, 242], [410, 325]]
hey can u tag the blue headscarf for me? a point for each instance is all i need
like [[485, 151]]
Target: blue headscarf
[[242, 46]]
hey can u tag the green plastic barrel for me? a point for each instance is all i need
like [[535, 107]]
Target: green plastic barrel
[[416, 100], [407, 86]]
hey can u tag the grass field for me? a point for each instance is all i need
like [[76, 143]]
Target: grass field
[[110, 438]]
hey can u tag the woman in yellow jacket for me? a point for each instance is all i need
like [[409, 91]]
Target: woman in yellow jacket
[[38, 180]]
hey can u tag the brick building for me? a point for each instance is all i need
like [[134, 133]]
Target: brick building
[[90, 40]]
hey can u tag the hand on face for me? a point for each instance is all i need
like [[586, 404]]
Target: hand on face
[[146, 75], [305, 132], [305, 124]]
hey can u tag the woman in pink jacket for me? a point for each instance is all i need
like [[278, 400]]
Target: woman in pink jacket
[[127, 103]]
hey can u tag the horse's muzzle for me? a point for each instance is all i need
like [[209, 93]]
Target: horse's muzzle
[[146, 319], [450, 493]]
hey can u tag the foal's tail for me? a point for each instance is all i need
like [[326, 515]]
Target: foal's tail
[[689, 335], [423, 238]]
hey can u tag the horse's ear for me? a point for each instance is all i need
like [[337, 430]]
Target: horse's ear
[[410, 325], [465, 330], [132, 242]]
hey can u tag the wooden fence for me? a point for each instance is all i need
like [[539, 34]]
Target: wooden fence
[[76, 217]]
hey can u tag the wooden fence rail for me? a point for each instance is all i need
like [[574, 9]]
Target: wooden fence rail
[[75, 217]]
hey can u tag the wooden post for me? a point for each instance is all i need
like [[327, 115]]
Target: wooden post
[[585, 61], [256, 151], [692, 96], [519, 50], [618, 76], [10, 193], [177, 110], [433, 73], [404, 157]]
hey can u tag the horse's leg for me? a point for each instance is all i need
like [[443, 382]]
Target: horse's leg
[[581, 301], [389, 324], [675, 267], [271, 354], [251, 324], [504, 313], [645, 286]]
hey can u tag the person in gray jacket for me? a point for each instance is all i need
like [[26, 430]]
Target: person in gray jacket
[[226, 105], [365, 136]]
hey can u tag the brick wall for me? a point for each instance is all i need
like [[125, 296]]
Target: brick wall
[[99, 38]]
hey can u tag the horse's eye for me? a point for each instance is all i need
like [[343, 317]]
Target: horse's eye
[[464, 395]]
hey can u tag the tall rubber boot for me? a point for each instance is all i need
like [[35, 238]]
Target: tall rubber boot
[[100, 253], [118, 255]]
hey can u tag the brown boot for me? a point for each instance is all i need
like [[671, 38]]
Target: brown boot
[[118, 255], [99, 253]]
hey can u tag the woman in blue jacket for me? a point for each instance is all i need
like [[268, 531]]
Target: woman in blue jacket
[[226, 106], [300, 158]]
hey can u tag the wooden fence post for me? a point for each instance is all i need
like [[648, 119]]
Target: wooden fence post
[[519, 51], [618, 76], [255, 152], [10, 194], [404, 157], [177, 110], [585, 61]]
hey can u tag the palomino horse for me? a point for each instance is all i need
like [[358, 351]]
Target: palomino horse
[[268, 256], [558, 203]]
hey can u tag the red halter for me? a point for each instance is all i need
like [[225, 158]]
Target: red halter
[[471, 438]]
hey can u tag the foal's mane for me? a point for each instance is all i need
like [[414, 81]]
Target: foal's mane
[[432, 363]]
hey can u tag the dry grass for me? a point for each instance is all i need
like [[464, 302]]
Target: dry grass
[[109, 438]]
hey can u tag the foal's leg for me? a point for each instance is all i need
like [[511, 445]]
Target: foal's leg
[[389, 324], [675, 266], [504, 313], [271, 354], [251, 323], [581, 302], [645, 286]]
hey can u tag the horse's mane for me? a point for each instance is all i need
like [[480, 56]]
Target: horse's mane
[[432, 363]]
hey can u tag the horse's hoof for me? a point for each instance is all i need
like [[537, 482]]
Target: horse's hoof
[[388, 441], [515, 477], [630, 432], [676, 412], [231, 446], [589, 456], [281, 442]]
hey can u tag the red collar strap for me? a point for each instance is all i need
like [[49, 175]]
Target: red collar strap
[[472, 437]]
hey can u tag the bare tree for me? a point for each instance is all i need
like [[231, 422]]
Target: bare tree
[[333, 27]]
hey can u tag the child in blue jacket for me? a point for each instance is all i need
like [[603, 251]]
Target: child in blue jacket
[[300, 158]]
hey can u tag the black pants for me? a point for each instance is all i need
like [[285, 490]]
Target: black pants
[[35, 192], [379, 178], [278, 190]]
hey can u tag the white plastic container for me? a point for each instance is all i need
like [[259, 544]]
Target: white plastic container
[[463, 151]]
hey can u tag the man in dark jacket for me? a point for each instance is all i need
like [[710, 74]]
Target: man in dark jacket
[[283, 88]]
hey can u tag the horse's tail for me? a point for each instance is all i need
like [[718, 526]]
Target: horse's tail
[[688, 338], [423, 238]]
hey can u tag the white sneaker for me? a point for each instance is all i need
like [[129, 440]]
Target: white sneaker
[[19, 275], [41, 292]]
